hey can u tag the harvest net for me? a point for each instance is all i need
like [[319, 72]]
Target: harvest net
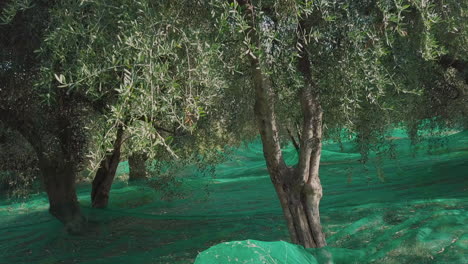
[[411, 209]]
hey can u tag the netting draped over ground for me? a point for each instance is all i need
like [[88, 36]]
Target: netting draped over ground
[[253, 252], [411, 209]]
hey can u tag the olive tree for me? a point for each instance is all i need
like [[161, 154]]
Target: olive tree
[[319, 67], [53, 131], [147, 69]]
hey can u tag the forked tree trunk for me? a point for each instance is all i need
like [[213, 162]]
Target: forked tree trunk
[[105, 175], [300, 204], [311, 143], [298, 189], [137, 166]]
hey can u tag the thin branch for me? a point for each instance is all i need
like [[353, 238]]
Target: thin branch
[[168, 148], [293, 139], [155, 126]]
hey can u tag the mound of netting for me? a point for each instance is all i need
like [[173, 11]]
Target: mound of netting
[[255, 252]]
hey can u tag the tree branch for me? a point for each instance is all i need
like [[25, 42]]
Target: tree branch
[[293, 140], [310, 142], [173, 132], [264, 97]]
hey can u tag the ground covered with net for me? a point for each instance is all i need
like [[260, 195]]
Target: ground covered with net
[[409, 209]]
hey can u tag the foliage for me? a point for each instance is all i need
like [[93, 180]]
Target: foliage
[[18, 165], [375, 63], [142, 65]]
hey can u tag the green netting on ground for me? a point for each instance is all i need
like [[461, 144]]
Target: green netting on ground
[[411, 209], [253, 252]]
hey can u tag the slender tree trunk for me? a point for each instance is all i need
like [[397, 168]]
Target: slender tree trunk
[[137, 165], [311, 144], [105, 175], [298, 189]]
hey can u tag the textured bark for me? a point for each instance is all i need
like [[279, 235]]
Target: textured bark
[[298, 189], [59, 182], [57, 168], [137, 166], [105, 175], [311, 146], [300, 202]]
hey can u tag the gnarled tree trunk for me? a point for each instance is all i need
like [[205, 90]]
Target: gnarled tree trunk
[[59, 182], [105, 175], [298, 189], [57, 167], [137, 166]]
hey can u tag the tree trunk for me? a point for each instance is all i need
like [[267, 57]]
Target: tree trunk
[[300, 196], [311, 144], [57, 168], [59, 182], [137, 166], [300, 202], [105, 175], [298, 189]]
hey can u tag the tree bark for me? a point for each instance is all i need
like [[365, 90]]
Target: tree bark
[[59, 182], [298, 189], [137, 166], [105, 175], [311, 143], [57, 168]]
